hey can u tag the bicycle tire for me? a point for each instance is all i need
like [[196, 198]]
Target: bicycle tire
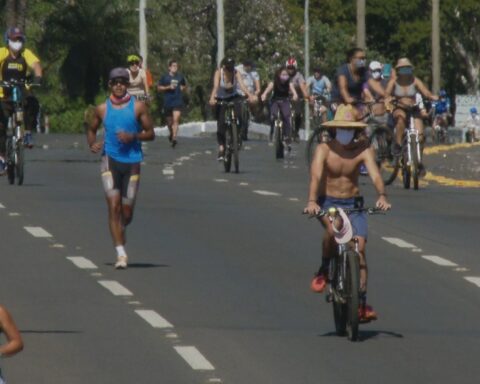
[[235, 147], [278, 140], [20, 164], [414, 164], [387, 164], [315, 138], [339, 309], [10, 162], [352, 288], [406, 175], [227, 160]]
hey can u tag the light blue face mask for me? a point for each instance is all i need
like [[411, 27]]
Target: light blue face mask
[[344, 136]]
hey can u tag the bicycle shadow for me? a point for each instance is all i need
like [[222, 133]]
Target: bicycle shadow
[[366, 335]]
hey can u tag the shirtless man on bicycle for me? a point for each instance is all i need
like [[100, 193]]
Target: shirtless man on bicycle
[[334, 175]]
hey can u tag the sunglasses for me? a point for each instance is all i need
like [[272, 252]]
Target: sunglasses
[[134, 63], [119, 82]]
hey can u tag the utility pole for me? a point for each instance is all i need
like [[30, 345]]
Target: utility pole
[[307, 66], [143, 31], [220, 32], [361, 42], [436, 46]]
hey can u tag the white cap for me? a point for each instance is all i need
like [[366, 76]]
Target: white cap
[[375, 65]]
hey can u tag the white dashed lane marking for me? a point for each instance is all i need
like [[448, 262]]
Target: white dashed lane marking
[[266, 193], [2, 206], [194, 358], [473, 280], [168, 171], [440, 261], [37, 232], [115, 288], [220, 180], [243, 184], [82, 262], [398, 242], [13, 214], [153, 318]]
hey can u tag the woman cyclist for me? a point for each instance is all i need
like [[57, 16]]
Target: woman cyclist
[[14, 342], [138, 86], [282, 87], [225, 82], [404, 87]]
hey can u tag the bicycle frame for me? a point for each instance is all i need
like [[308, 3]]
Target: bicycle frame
[[411, 134]]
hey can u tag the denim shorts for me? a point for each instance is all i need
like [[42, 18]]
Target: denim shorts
[[358, 219]]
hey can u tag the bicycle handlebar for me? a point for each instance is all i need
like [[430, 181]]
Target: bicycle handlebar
[[333, 211], [16, 83]]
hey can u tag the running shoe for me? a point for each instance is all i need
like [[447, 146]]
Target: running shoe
[[3, 166], [319, 283], [366, 314], [28, 140], [221, 155], [121, 262]]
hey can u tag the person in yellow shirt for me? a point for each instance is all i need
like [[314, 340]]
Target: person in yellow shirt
[[15, 62]]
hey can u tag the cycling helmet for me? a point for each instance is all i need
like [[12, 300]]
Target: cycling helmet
[[375, 66], [473, 110], [291, 62], [119, 73], [14, 32], [133, 58], [228, 62], [442, 93]]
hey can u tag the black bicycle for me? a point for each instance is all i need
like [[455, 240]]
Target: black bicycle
[[233, 139], [15, 149], [279, 137], [344, 279]]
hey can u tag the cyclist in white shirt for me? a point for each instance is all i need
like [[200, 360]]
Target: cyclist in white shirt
[[251, 80]]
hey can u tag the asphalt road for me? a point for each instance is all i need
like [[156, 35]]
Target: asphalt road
[[218, 287]]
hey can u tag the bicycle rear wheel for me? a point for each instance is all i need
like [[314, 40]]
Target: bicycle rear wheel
[[381, 140], [235, 147], [227, 160], [278, 140], [319, 135], [352, 290]]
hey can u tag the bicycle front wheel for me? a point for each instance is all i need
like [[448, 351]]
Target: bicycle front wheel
[[20, 163], [278, 140], [339, 308], [10, 158], [414, 163], [381, 140], [235, 147], [352, 289], [227, 160], [319, 135]]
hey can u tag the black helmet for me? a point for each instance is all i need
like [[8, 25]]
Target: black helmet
[[14, 32], [228, 62]]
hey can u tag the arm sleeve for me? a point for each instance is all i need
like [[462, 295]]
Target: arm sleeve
[[30, 58]]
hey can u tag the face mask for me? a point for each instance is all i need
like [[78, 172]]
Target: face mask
[[360, 63], [344, 136], [284, 78], [376, 75], [15, 45]]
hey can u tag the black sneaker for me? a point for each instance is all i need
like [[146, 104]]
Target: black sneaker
[[174, 143]]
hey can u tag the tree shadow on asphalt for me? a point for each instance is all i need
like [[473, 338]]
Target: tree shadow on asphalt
[[143, 265], [369, 335]]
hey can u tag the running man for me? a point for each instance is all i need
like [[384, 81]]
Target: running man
[[172, 85], [334, 175], [127, 123]]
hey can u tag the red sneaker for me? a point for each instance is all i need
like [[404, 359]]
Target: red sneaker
[[366, 314], [319, 283]]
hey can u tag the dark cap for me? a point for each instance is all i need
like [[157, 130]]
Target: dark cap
[[15, 32], [119, 73]]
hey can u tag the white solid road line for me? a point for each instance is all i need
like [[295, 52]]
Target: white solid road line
[[82, 262], [194, 358], [37, 232], [440, 261], [115, 288], [398, 242], [153, 318], [266, 193], [473, 280]]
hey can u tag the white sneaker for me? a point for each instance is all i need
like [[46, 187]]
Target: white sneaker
[[121, 262]]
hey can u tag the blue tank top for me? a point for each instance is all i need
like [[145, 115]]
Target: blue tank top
[[118, 120]]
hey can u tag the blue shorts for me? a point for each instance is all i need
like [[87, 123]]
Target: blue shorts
[[358, 219]]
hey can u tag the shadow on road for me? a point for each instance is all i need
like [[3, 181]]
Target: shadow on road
[[368, 335], [143, 265], [53, 331]]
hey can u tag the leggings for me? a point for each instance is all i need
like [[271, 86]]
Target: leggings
[[284, 106]]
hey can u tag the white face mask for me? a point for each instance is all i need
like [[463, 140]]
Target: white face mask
[[376, 75], [15, 45], [344, 136]]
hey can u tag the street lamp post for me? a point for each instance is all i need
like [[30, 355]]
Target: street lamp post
[[143, 31], [436, 46], [361, 40], [220, 32], [307, 66]]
